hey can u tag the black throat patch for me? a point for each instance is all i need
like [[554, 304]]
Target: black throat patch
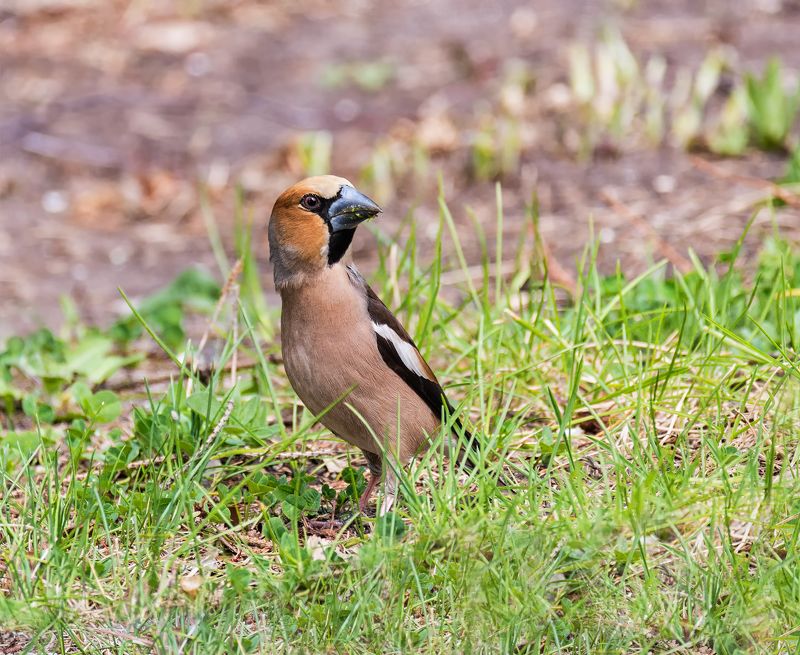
[[338, 243]]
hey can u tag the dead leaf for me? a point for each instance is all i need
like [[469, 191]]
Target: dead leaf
[[437, 134], [334, 464]]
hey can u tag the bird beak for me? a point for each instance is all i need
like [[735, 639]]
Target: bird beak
[[349, 209]]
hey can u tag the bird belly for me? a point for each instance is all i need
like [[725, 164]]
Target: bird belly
[[339, 369]]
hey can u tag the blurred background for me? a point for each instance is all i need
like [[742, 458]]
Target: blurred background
[[129, 128]]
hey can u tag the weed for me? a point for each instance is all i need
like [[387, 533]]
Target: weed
[[620, 98], [772, 106], [651, 427]]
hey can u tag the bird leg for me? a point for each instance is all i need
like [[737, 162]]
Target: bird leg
[[373, 482], [389, 491], [330, 525], [376, 468]]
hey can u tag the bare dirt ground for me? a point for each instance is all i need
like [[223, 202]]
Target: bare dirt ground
[[114, 114]]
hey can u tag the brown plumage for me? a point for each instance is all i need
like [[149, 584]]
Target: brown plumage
[[346, 355]]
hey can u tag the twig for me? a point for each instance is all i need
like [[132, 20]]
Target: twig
[[123, 385], [70, 150], [776, 190], [140, 463], [137, 464], [556, 271], [120, 634], [229, 283], [552, 267], [667, 250], [307, 454]]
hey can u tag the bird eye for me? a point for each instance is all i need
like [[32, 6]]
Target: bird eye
[[311, 202]]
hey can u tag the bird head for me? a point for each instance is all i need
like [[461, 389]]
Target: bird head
[[312, 225]]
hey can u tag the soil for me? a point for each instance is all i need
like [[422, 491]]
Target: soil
[[120, 119]]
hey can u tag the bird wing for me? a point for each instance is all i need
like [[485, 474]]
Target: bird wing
[[399, 351], [401, 354]]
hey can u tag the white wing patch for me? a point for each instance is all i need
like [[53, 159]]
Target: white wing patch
[[408, 354]]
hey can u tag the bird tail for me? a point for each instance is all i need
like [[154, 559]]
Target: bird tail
[[470, 450]]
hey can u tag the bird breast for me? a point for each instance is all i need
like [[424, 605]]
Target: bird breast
[[332, 361]]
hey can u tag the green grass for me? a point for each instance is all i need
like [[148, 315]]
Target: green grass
[[651, 424], [624, 98]]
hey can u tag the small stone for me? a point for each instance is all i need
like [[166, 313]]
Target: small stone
[[55, 202], [664, 184]]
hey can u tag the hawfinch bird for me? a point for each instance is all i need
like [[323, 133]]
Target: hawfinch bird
[[346, 355]]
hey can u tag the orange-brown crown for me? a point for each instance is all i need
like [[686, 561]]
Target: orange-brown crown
[[312, 225]]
